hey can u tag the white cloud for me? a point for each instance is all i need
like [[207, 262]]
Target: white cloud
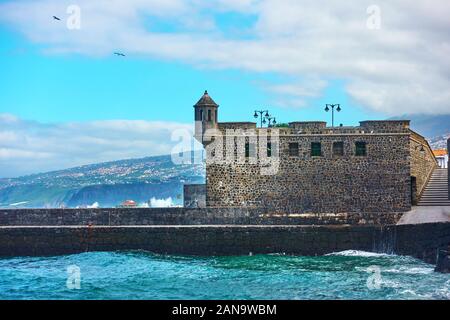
[[31, 147], [401, 68]]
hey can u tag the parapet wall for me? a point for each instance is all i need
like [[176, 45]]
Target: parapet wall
[[385, 126], [423, 162], [183, 216], [308, 125], [448, 167]]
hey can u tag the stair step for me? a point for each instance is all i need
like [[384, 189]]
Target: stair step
[[440, 196], [436, 187], [442, 201], [435, 192], [443, 194], [434, 202]]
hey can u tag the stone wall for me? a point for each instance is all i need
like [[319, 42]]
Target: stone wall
[[448, 167], [194, 195], [377, 182], [422, 241], [386, 126], [183, 216], [236, 125], [423, 162], [308, 125]]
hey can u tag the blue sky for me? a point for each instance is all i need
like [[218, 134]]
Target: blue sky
[[73, 87], [60, 84]]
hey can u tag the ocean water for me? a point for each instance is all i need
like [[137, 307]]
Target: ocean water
[[142, 275]]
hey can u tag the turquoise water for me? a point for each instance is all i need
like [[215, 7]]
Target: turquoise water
[[141, 275]]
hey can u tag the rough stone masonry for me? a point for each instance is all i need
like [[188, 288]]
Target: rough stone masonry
[[379, 166]]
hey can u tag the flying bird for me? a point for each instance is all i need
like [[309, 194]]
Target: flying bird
[[56, 18], [119, 54]]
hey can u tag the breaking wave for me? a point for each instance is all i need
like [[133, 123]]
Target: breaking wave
[[358, 253]]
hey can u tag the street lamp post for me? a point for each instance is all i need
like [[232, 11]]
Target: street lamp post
[[262, 118], [332, 106], [272, 121]]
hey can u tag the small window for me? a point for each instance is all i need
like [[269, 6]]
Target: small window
[[209, 115], [293, 149], [316, 149], [360, 148], [201, 115], [269, 149], [338, 148], [249, 150]]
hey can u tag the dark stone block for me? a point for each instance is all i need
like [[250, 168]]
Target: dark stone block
[[443, 262]]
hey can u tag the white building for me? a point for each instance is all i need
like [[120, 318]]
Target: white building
[[441, 157]]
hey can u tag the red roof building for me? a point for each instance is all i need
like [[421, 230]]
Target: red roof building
[[128, 204]]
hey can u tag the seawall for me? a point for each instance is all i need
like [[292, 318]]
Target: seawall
[[184, 216], [211, 232], [421, 241]]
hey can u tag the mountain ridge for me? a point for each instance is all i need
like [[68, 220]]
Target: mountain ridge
[[143, 178]]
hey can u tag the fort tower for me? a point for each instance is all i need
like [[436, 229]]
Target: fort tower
[[205, 117]]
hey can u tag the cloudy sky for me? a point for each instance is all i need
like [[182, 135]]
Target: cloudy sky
[[66, 99]]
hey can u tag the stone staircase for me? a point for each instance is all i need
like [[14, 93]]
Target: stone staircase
[[436, 192]]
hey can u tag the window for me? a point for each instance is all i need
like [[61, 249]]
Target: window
[[360, 148], [338, 148], [316, 149], [249, 150], [269, 149], [293, 149], [209, 115], [201, 115]]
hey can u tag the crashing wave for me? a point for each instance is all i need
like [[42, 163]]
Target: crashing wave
[[357, 253]]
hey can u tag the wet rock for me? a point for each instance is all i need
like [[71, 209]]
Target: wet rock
[[443, 262]]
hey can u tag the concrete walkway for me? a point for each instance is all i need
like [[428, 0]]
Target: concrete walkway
[[426, 214]]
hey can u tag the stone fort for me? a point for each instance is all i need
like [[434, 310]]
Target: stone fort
[[378, 166], [303, 188]]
